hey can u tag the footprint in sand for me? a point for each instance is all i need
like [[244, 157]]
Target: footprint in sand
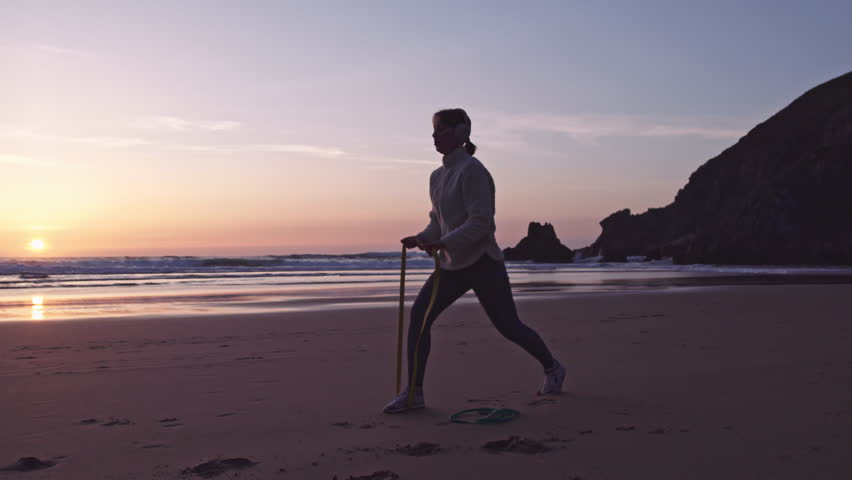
[[170, 422], [421, 449], [481, 400], [112, 422], [218, 466], [517, 445], [28, 464], [358, 450], [542, 401], [380, 475]]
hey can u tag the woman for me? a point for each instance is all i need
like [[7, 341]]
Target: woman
[[461, 228]]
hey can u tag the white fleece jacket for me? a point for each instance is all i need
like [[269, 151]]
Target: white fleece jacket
[[462, 215]]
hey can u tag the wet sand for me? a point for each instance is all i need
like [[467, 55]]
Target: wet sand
[[717, 382]]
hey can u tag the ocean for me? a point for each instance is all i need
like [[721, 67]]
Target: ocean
[[85, 287]]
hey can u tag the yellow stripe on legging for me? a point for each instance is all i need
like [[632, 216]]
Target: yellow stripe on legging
[[434, 296]]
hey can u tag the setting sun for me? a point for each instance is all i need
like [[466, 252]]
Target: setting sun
[[37, 245]]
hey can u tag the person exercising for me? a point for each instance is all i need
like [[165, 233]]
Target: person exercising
[[461, 228]]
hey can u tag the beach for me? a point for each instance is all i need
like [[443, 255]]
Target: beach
[[749, 381], [214, 217]]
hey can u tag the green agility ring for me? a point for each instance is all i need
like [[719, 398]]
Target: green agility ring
[[486, 415]]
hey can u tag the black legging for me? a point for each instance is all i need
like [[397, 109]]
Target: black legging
[[490, 281]]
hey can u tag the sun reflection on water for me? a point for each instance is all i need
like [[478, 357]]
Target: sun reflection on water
[[38, 308]]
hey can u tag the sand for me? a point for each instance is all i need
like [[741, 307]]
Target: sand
[[744, 382]]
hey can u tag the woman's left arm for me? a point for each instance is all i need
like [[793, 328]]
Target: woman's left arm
[[478, 196]]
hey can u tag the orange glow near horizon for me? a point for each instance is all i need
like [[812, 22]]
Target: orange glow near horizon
[[183, 235]]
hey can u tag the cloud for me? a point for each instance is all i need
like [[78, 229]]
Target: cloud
[[316, 150], [596, 126], [23, 160], [295, 148], [130, 142], [98, 141], [177, 124], [218, 149], [45, 228], [111, 142], [54, 50], [19, 133], [372, 161], [389, 162]]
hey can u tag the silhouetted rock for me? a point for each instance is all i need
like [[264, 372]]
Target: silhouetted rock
[[540, 245], [781, 195]]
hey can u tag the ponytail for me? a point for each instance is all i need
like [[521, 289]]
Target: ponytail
[[470, 147]]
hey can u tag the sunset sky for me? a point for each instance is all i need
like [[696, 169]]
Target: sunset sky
[[241, 128]]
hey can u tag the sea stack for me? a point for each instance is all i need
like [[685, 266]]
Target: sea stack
[[540, 245]]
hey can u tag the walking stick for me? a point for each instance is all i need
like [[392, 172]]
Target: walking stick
[[401, 314]]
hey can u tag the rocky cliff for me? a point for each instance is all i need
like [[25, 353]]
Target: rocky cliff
[[781, 195]]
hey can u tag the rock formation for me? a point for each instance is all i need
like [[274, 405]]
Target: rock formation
[[781, 195], [540, 245]]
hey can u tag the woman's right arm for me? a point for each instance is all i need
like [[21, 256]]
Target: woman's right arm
[[432, 232]]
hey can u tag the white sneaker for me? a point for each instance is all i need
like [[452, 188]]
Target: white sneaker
[[553, 380], [400, 403]]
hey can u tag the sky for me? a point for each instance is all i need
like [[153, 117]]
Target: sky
[[254, 128]]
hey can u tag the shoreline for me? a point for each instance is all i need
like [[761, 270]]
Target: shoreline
[[42, 306]]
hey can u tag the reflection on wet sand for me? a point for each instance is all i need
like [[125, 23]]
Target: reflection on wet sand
[[38, 307], [230, 299]]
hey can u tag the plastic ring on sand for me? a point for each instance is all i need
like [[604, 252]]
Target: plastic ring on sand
[[486, 415]]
